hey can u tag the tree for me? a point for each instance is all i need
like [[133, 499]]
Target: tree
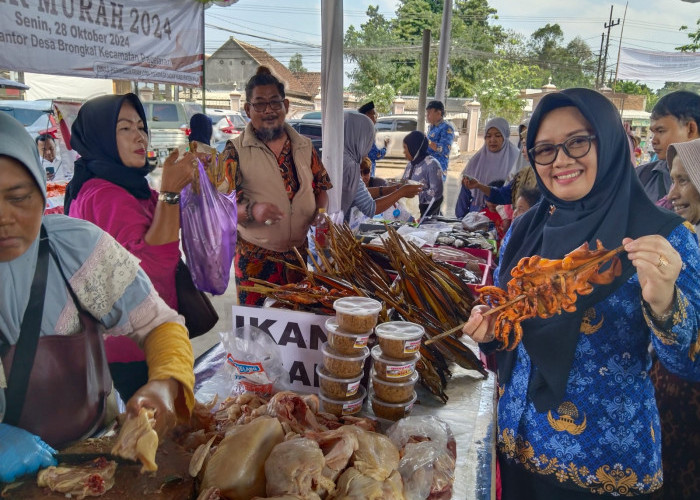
[[694, 36], [636, 88], [382, 96], [364, 47], [507, 74], [295, 64], [570, 65]]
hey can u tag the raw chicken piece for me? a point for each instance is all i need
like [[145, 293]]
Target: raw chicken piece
[[209, 494], [282, 497], [90, 480], [291, 409], [376, 456], [138, 441], [338, 446], [237, 467], [295, 467], [353, 485]]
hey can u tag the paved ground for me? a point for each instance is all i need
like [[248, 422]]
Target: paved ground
[[385, 169]]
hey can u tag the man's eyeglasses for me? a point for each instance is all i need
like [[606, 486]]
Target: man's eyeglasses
[[575, 147], [260, 107]]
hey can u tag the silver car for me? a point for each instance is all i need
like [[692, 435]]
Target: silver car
[[396, 127]]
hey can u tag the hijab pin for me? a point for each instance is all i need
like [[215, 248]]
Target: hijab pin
[[552, 208]]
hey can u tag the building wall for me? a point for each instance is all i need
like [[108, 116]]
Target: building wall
[[230, 64]]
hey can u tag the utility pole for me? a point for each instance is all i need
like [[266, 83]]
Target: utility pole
[[444, 52], [600, 58], [424, 65], [608, 25]]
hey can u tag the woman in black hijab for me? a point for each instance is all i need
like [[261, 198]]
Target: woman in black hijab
[[577, 416], [201, 128], [424, 169], [109, 189]]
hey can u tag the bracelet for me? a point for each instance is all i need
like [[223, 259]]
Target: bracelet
[[169, 197], [249, 211], [661, 319]]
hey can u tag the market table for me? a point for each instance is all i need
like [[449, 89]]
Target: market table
[[470, 413]]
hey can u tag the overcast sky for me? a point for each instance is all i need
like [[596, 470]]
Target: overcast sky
[[285, 27]]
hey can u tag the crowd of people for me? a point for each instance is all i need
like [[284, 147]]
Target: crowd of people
[[598, 402]]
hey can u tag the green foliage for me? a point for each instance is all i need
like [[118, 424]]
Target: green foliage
[[635, 88], [383, 97], [374, 67], [295, 64], [694, 36]]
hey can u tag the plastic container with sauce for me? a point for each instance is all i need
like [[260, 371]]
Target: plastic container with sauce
[[337, 388], [392, 411], [399, 339], [357, 314], [393, 370], [344, 342], [343, 407], [343, 365]]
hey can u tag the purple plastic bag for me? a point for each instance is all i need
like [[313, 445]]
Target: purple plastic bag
[[209, 222]]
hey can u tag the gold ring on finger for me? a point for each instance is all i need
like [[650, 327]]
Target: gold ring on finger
[[662, 262]]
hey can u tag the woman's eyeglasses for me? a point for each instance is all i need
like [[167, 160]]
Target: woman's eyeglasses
[[575, 147], [260, 107]]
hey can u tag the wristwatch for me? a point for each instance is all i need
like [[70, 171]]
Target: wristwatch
[[169, 197]]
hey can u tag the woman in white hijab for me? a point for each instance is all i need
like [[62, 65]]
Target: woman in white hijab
[[64, 284], [493, 162]]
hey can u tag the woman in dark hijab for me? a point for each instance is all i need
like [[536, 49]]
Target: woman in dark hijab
[[201, 128], [424, 169], [577, 416], [110, 190]]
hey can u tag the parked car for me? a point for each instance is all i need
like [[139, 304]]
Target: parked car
[[36, 116], [227, 124], [168, 126], [307, 128], [310, 128], [396, 127]]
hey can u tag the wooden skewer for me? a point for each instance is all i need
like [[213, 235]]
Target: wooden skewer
[[444, 334]]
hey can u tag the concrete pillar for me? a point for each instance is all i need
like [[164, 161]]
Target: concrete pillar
[[235, 99], [398, 105], [317, 101], [474, 113], [146, 94]]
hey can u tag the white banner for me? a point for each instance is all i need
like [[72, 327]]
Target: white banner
[[647, 65], [299, 336], [155, 41]]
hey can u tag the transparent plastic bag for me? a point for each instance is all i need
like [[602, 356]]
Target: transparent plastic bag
[[475, 221], [253, 361], [209, 220], [246, 360], [427, 466]]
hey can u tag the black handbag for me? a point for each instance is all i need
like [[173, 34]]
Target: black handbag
[[193, 304]]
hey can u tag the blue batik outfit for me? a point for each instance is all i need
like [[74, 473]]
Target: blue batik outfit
[[375, 154], [443, 135], [577, 410], [605, 435]]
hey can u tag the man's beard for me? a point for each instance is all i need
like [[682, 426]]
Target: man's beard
[[269, 134]]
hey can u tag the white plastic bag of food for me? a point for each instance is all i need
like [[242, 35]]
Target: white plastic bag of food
[[253, 361], [476, 221]]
